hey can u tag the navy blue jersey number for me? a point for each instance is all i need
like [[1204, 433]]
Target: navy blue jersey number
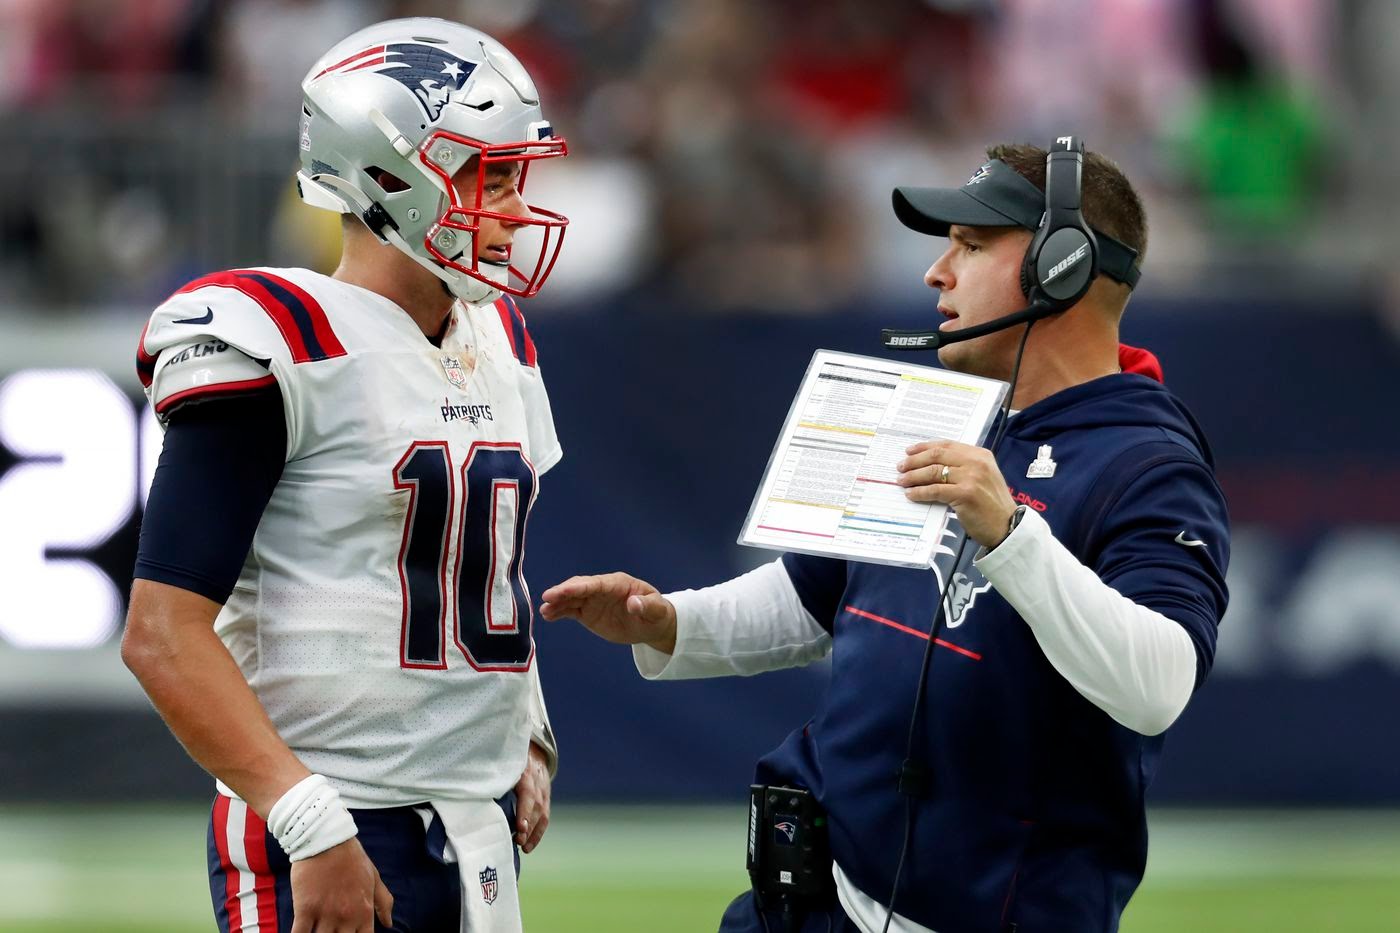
[[426, 472], [491, 610]]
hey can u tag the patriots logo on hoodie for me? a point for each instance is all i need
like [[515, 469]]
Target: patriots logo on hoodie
[[967, 582]]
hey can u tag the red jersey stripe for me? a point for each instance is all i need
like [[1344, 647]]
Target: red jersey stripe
[[530, 356], [320, 323], [300, 319], [145, 363], [508, 323], [225, 388], [221, 828], [264, 882], [275, 310], [521, 343]]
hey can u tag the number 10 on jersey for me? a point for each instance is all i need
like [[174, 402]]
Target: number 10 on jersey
[[484, 589]]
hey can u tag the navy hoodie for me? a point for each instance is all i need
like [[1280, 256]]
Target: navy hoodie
[[1034, 818]]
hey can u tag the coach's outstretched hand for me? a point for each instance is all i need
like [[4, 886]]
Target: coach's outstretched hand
[[339, 889], [617, 607]]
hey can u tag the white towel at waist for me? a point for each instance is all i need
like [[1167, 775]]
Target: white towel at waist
[[479, 840]]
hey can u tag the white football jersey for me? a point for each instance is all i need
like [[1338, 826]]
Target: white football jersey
[[382, 616]]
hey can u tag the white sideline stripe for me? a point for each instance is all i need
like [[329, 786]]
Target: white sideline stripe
[[247, 894]]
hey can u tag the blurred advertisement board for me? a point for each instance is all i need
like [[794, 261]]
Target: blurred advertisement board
[[1309, 655]]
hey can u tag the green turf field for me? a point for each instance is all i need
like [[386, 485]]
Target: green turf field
[[141, 870]]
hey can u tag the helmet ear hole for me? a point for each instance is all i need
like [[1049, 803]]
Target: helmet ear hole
[[387, 181]]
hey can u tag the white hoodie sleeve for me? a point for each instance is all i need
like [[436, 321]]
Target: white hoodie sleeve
[[1132, 662], [747, 625]]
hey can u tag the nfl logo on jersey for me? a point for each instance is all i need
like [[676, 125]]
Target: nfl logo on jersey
[[456, 375], [488, 884]]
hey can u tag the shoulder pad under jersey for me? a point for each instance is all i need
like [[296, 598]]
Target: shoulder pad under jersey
[[203, 369], [229, 333], [260, 312]]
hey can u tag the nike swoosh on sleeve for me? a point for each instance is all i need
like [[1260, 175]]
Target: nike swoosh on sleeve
[[207, 318], [1189, 542]]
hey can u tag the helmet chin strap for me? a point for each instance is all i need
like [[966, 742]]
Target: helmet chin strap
[[471, 290]]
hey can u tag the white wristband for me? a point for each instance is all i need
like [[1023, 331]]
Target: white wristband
[[309, 819]]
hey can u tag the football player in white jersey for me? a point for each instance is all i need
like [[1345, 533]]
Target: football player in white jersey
[[329, 609]]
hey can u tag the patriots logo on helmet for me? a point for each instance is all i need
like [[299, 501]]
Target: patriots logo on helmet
[[431, 73]]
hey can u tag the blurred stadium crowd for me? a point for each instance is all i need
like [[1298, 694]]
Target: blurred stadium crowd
[[727, 153]]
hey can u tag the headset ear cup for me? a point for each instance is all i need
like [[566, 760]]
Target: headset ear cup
[[1065, 267], [1027, 267]]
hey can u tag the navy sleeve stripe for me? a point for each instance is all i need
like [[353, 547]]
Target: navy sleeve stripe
[[307, 316], [521, 344], [299, 318]]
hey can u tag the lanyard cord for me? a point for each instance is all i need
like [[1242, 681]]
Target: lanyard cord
[[913, 774]]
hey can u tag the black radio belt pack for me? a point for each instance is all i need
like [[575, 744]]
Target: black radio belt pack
[[789, 852]]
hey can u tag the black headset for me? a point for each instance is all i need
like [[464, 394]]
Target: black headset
[[1061, 261], [1063, 257]]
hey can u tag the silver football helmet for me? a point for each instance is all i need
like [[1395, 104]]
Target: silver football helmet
[[421, 98]]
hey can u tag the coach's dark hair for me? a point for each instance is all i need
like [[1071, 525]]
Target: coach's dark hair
[[1108, 200]]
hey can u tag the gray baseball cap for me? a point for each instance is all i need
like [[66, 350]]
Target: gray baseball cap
[[999, 196]]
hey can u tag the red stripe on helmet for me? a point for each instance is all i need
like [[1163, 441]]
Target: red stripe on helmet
[[368, 63], [376, 50]]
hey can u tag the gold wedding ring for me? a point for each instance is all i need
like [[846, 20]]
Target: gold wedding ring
[[943, 477]]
